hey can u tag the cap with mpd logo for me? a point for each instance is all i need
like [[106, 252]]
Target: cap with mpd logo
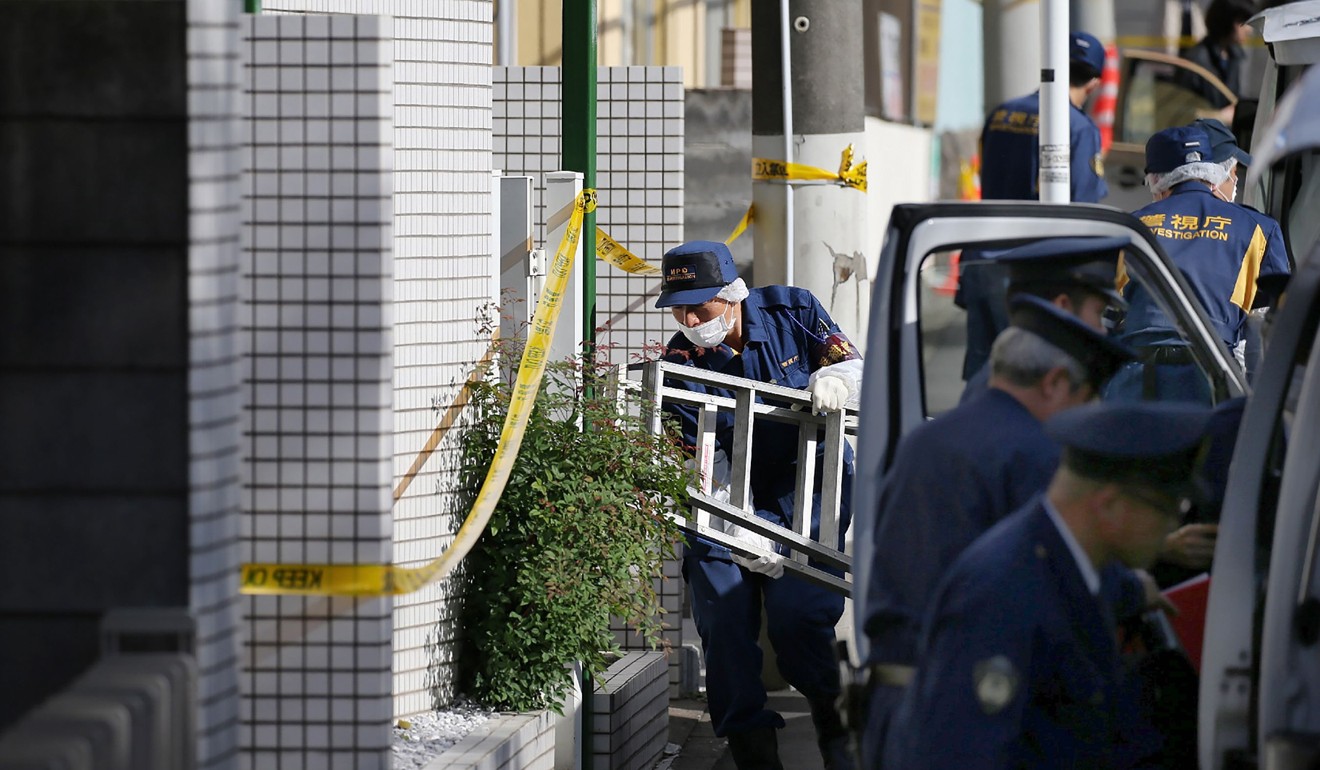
[[1100, 355], [1223, 144], [1090, 262], [694, 273], [1085, 49], [1173, 147]]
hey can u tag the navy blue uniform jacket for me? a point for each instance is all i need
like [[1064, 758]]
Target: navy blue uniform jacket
[[1221, 249], [952, 479], [786, 331], [1014, 621], [1010, 153]]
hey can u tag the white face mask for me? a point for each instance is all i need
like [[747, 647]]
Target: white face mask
[[1229, 199], [709, 334]]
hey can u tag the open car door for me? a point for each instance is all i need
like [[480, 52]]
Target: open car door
[[1156, 91], [916, 334]]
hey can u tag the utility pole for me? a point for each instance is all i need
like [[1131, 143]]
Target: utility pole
[[1012, 66], [1055, 137], [577, 88], [810, 235]]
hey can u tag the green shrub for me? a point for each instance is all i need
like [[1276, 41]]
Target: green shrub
[[578, 535]]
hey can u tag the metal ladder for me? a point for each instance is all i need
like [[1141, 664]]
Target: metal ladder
[[746, 410]]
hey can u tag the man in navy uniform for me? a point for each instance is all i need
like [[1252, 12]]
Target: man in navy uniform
[[956, 476], [1010, 162], [780, 335], [1076, 275], [1220, 248], [1018, 663]]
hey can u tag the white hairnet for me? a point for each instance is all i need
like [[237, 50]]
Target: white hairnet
[[1207, 171], [734, 292]]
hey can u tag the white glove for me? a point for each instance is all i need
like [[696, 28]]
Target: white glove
[[772, 566], [828, 394]]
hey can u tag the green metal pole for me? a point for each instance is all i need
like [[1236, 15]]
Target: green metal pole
[[578, 107], [251, 6]]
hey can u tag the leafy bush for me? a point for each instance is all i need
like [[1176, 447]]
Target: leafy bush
[[578, 535]]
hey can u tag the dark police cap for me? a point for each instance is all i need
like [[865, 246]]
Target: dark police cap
[[1085, 49], [1100, 355], [1177, 146], [1152, 444], [1223, 144], [695, 272], [1088, 262]]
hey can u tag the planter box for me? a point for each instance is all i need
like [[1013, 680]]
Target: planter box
[[510, 741], [630, 726], [630, 713]]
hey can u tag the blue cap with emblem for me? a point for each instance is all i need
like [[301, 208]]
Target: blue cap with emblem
[[1089, 262], [1152, 444], [1223, 144], [694, 272], [1177, 146], [1100, 355], [1086, 49]]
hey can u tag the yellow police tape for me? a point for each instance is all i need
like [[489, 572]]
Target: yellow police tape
[[617, 254], [848, 175], [387, 579]]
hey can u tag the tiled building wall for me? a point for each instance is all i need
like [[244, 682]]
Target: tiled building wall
[[118, 369], [214, 106], [639, 179], [317, 428], [442, 274]]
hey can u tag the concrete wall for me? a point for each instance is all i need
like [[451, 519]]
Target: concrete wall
[[119, 370], [717, 151]]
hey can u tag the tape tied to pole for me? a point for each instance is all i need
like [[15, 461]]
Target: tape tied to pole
[[848, 175], [388, 579]]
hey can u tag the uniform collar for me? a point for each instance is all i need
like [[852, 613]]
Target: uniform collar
[[1084, 565], [1191, 186]]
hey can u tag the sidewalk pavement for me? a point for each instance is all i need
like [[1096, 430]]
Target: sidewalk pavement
[[690, 728]]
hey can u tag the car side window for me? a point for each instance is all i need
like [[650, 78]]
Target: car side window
[[1159, 94]]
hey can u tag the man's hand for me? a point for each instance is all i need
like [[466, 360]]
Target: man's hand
[[771, 566], [1154, 599], [828, 394], [1191, 546]]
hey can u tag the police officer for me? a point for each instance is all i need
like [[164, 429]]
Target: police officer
[[780, 335], [1076, 275], [1010, 160], [1224, 150], [1219, 247], [955, 476], [1018, 664]]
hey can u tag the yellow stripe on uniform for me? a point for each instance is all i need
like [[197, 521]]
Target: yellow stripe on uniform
[[1244, 291], [848, 175], [387, 579]]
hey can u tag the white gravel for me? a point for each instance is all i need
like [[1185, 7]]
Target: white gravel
[[429, 734]]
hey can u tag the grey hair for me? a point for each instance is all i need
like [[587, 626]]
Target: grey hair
[[735, 292], [1209, 172], [1024, 358]]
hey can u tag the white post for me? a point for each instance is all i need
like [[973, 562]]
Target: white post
[[1055, 151], [786, 66], [561, 189]]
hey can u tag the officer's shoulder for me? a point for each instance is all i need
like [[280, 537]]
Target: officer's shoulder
[[777, 297], [1258, 215]]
